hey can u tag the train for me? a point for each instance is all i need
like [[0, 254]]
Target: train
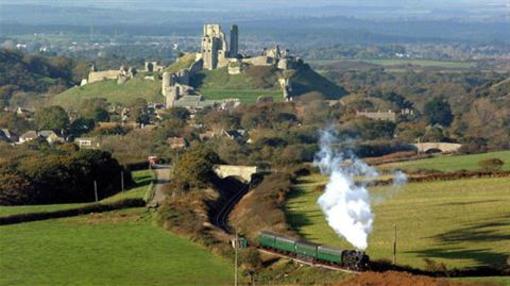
[[347, 259]]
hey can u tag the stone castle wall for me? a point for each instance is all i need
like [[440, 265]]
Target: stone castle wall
[[95, 76]]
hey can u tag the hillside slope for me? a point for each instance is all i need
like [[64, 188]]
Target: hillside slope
[[112, 92], [258, 81], [254, 82]]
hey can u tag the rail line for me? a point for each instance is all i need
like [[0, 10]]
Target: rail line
[[309, 263], [221, 219]]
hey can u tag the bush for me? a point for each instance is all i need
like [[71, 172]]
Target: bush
[[491, 164]]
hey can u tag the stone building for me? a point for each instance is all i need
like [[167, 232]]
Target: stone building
[[385, 116], [214, 47]]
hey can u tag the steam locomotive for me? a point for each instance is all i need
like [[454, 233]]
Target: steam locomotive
[[349, 259]]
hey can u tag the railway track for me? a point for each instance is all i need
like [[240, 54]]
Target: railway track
[[221, 219], [309, 263]]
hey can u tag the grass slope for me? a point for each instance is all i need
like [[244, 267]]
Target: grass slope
[[111, 91], [142, 180], [115, 248], [461, 223], [258, 81], [182, 63], [450, 163]]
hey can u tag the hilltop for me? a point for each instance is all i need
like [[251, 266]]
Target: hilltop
[[217, 84]]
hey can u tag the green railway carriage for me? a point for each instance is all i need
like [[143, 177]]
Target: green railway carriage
[[350, 259], [285, 244], [306, 249], [329, 254], [267, 239]]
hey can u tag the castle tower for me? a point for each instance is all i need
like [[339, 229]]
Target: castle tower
[[234, 41], [214, 47]]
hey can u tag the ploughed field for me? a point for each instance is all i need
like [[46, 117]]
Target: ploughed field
[[460, 223], [113, 248]]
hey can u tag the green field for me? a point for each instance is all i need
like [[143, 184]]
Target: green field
[[450, 163], [142, 180], [422, 63], [113, 92], [461, 223], [113, 248]]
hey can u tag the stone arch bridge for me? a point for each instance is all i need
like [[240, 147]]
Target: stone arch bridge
[[243, 172], [443, 147]]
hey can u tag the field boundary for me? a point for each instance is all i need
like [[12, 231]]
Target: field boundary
[[91, 208]]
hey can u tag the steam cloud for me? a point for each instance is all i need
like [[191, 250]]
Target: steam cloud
[[345, 204]]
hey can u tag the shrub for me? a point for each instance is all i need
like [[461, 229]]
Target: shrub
[[491, 164]]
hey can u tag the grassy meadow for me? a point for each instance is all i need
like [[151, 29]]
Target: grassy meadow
[[141, 178], [460, 223], [450, 163], [109, 89], [113, 248]]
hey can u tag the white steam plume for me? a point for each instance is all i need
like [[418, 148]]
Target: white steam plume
[[345, 204]]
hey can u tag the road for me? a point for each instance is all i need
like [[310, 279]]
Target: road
[[163, 174]]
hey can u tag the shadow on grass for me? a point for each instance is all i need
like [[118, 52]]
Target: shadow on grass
[[482, 256], [480, 232], [297, 220], [467, 203]]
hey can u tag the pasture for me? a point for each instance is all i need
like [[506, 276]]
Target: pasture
[[113, 248], [450, 163], [142, 179], [460, 223]]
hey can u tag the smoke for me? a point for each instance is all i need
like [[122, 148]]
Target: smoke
[[345, 204], [399, 178]]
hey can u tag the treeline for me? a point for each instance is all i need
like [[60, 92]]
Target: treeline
[[24, 75], [36, 173]]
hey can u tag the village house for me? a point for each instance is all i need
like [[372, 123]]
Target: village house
[[385, 116], [177, 143], [28, 136], [88, 143], [51, 137]]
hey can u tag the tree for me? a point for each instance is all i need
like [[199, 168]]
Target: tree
[[81, 125], [179, 113], [438, 111], [52, 118], [139, 111], [14, 123], [194, 168], [95, 109]]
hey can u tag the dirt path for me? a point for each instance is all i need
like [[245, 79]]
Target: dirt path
[[163, 174]]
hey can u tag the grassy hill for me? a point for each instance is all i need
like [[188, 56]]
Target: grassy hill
[[114, 248], [217, 84], [258, 81], [461, 223], [183, 62], [113, 92]]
